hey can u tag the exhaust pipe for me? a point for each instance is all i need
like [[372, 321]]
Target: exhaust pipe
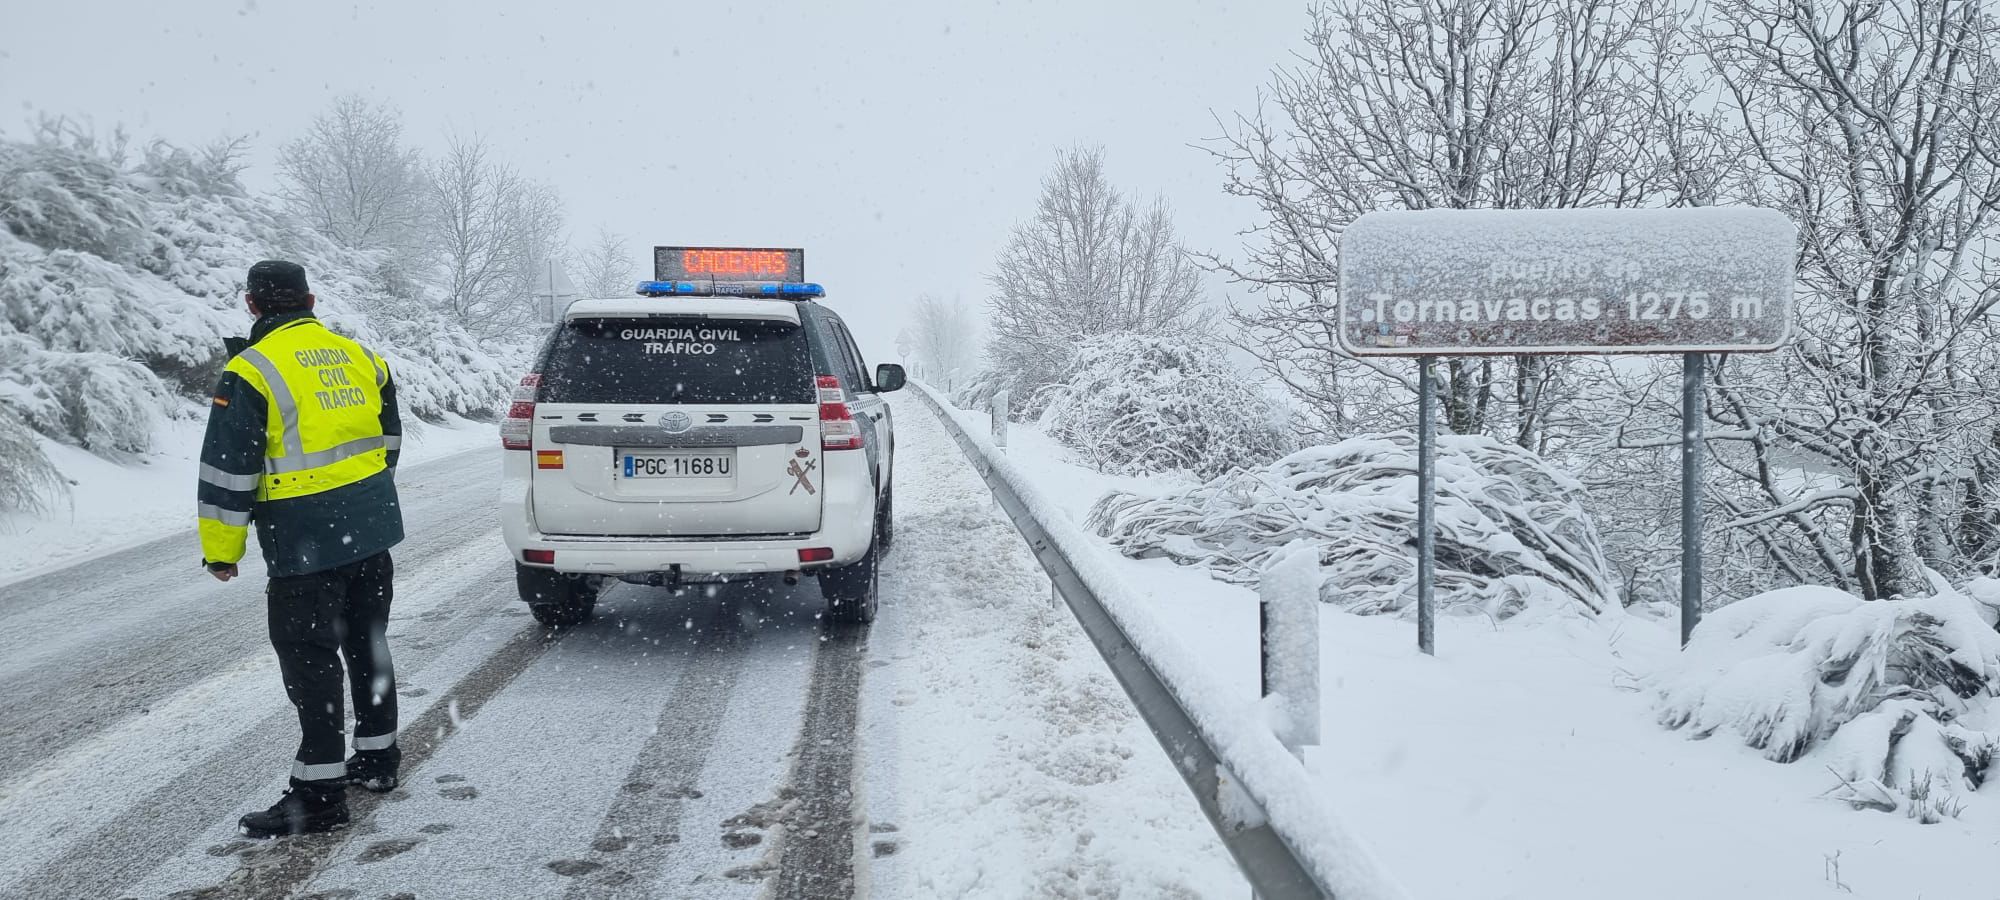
[[792, 576]]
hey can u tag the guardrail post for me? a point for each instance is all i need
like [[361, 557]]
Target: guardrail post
[[1288, 619], [1002, 402]]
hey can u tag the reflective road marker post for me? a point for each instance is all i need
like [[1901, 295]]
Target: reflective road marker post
[[1459, 282], [1426, 505], [1694, 413], [1003, 402], [1288, 644]]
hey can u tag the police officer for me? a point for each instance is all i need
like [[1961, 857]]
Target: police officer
[[303, 439]]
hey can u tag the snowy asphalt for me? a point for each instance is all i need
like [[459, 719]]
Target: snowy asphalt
[[650, 751], [716, 742]]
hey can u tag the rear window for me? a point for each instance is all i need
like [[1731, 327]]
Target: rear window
[[664, 360]]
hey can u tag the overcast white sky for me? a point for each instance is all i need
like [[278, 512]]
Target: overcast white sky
[[896, 141]]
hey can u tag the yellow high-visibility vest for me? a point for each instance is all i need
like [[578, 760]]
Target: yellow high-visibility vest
[[323, 409]]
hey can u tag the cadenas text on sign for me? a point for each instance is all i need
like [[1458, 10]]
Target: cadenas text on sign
[[1462, 282]]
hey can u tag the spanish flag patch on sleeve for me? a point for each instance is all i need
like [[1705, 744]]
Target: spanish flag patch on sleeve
[[221, 401]]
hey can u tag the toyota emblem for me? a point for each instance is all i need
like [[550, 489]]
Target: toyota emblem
[[676, 422]]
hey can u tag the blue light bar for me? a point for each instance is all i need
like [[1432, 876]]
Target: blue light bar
[[785, 290]]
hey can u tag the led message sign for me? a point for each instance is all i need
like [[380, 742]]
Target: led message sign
[[729, 264]]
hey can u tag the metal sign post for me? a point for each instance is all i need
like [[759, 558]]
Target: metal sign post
[[1694, 413], [1427, 505], [1692, 281]]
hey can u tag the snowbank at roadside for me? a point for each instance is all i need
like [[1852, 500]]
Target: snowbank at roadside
[[1525, 759]]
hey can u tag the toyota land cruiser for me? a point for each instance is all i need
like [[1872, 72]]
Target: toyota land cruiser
[[703, 429]]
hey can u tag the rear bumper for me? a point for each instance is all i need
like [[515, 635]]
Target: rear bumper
[[624, 556], [847, 527]]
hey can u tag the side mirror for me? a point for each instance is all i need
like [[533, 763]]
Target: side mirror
[[890, 377]]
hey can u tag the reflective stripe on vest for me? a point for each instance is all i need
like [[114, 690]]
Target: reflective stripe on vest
[[375, 365], [281, 397]]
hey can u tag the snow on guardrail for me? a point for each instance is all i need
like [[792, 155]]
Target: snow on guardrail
[[1269, 782]]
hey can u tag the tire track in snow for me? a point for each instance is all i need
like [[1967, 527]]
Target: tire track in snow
[[643, 824], [816, 853]]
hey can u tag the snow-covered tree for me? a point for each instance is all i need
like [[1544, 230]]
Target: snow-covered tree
[[943, 337], [1090, 262], [350, 177], [491, 227], [1133, 404], [1454, 104], [1872, 125], [605, 267]]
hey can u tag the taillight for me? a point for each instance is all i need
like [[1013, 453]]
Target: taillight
[[815, 554], [837, 428], [545, 557], [517, 431]]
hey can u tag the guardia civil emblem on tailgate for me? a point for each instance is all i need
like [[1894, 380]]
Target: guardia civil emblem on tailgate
[[676, 422]]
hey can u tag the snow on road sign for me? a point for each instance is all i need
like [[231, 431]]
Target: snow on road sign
[[1461, 282]]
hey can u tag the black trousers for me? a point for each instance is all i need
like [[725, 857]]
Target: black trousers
[[316, 621]]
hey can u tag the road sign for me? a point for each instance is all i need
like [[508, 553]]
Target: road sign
[[1464, 282]]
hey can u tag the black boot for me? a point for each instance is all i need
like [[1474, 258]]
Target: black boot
[[308, 807], [375, 770]]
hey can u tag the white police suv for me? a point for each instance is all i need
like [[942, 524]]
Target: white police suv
[[718, 424]]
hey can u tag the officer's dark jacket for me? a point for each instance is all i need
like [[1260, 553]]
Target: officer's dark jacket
[[299, 534]]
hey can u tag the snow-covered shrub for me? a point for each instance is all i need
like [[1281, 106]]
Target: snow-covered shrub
[[1133, 404], [94, 400], [71, 301], [28, 481], [1875, 691], [108, 404], [1511, 529], [977, 392], [64, 188]]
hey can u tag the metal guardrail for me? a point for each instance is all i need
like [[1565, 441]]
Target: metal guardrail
[[1270, 860]]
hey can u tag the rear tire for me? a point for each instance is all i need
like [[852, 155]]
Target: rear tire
[[850, 590], [556, 600]]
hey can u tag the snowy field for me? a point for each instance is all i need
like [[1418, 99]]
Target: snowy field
[[1524, 761], [113, 504]]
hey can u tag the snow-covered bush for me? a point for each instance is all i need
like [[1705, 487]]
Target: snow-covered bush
[[1878, 692], [1132, 404], [28, 481], [1511, 530], [103, 403], [66, 188]]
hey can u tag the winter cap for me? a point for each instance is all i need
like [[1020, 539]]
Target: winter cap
[[277, 284]]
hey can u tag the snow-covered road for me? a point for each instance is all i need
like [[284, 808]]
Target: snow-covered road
[[716, 743]]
